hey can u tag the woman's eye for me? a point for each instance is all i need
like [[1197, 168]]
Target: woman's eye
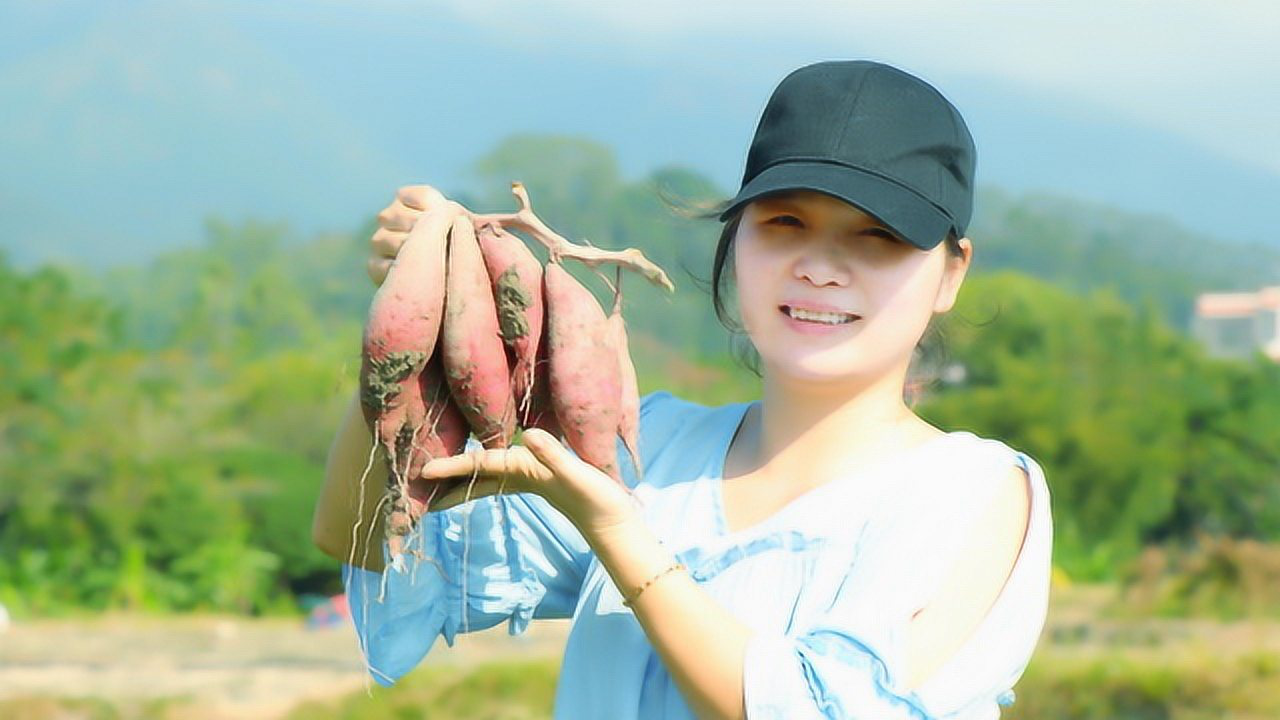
[[791, 220]]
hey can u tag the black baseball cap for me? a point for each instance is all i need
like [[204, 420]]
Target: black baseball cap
[[872, 135]]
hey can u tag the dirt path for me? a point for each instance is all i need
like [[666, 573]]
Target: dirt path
[[219, 667]]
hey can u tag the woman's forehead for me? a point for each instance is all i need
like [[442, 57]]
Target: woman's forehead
[[812, 200]]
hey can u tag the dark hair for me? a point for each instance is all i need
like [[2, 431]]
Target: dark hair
[[929, 357]]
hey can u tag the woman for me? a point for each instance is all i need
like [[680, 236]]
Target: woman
[[820, 552]]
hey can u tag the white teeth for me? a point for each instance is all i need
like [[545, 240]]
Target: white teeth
[[830, 318]]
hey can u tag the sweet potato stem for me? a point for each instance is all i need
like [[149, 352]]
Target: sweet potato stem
[[557, 246]]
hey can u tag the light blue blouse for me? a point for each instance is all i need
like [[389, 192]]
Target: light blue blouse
[[828, 583]]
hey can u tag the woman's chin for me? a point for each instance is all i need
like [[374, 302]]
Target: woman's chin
[[820, 368]]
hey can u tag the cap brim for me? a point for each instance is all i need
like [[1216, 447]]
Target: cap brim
[[907, 213]]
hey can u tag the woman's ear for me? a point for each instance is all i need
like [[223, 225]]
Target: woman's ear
[[957, 266]]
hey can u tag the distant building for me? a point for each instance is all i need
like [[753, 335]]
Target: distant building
[[1239, 324]]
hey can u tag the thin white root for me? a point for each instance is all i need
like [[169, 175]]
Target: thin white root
[[351, 554], [355, 529], [466, 545], [395, 484], [421, 553], [526, 402]]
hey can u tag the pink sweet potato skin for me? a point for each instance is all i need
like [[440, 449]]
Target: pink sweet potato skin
[[449, 427], [583, 370], [443, 435], [516, 277], [541, 414], [401, 332], [629, 396], [475, 360], [443, 431]]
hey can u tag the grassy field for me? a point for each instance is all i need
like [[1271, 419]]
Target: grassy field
[[1088, 665]]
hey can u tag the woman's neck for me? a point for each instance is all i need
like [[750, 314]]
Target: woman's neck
[[804, 433]]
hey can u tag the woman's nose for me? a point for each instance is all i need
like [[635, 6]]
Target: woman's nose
[[820, 266]]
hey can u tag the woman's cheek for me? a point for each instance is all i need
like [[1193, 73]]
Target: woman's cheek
[[752, 287]]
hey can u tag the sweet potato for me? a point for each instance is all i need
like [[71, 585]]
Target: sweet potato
[[443, 434], [475, 361], [400, 334], [629, 397], [583, 369], [516, 276], [541, 414]]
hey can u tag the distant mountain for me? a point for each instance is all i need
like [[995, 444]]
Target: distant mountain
[[117, 145], [125, 127], [1031, 142], [1083, 246], [258, 272]]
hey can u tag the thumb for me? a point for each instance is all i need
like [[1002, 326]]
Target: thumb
[[549, 451]]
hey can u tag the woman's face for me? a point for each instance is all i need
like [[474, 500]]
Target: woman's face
[[828, 293]]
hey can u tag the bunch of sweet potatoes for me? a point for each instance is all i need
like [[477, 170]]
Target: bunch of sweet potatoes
[[469, 335]]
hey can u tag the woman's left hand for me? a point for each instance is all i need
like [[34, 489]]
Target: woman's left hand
[[594, 502]]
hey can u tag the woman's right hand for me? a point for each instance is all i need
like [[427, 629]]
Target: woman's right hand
[[394, 223]]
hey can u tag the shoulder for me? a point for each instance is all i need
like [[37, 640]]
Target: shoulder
[[1009, 477], [977, 471], [993, 539], [970, 504], [1000, 529], [677, 432], [992, 497], [663, 415], [977, 628], [662, 403]]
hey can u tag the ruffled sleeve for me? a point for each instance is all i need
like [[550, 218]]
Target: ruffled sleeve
[[849, 661], [845, 663], [506, 557]]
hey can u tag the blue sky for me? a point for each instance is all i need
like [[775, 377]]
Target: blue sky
[[128, 123]]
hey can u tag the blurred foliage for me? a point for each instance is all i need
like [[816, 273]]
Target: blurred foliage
[[1216, 576], [1142, 438], [1183, 687], [163, 429]]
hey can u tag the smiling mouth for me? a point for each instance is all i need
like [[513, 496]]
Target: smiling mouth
[[819, 317]]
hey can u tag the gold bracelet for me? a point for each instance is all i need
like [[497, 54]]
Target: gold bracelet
[[650, 581]]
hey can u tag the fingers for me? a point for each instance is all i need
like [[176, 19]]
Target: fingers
[[397, 221], [378, 267], [394, 222], [411, 201], [515, 464], [419, 197], [467, 492], [398, 216], [549, 452], [386, 243], [482, 473]]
